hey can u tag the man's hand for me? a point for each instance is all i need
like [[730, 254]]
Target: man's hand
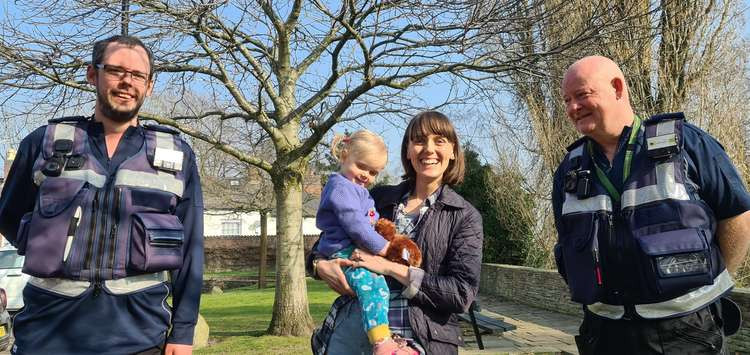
[[733, 235], [178, 349]]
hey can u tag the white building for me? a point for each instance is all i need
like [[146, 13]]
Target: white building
[[218, 222]]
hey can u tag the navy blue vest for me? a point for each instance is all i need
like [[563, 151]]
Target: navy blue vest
[[654, 252], [85, 226]]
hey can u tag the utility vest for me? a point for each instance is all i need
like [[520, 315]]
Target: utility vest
[[85, 227], [653, 253]]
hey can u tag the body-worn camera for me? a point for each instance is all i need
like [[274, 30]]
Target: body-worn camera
[[75, 162], [55, 165], [578, 182]]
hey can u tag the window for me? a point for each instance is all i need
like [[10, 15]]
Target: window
[[231, 227]]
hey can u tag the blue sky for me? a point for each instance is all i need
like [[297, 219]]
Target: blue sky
[[473, 127]]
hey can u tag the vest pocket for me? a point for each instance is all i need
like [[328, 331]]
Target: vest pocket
[[155, 242], [23, 233], [578, 253], [677, 261], [49, 225]]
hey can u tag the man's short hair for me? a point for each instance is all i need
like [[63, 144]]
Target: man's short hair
[[101, 46]]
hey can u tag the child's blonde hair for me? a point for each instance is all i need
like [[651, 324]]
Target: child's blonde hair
[[357, 143]]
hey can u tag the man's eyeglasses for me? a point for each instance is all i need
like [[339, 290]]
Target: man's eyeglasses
[[118, 73]]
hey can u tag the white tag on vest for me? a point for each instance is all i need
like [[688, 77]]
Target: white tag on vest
[[666, 140], [168, 159], [405, 254]]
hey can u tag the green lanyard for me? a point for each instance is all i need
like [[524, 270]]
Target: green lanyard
[[626, 165]]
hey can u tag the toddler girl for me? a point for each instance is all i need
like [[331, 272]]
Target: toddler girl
[[346, 216]]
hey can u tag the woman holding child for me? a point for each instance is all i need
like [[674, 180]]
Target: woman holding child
[[424, 301]]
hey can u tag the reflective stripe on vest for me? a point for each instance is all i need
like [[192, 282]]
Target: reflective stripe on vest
[[687, 303], [592, 204], [68, 131], [161, 181], [74, 288], [135, 283], [167, 155], [65, 131], [607, 310], [90, 176], [665, 127], [573, 204], [666, 187]]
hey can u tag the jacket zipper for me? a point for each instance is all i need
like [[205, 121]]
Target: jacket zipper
[[92, 232], [613, 240], [113, 231], [104, 234]]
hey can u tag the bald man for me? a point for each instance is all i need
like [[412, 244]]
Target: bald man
[[652, 219]]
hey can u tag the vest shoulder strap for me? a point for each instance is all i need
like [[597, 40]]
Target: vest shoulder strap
[[665, 116], [164, 148], [664, 135], [161, 128], [73, 119], [66, 137]]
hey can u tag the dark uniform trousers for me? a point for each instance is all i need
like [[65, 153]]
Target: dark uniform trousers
[[696, 333], [158, 350]]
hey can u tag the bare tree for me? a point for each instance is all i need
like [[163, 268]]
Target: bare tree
[[288, 71]]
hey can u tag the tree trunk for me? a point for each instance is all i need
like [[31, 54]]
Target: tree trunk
[[291, 315], [263, 249]]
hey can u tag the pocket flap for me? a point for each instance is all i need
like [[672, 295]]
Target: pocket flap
[[161, 229], [673, 242], [157, 221], [56, 194]]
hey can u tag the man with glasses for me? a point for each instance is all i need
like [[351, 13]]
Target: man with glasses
[[109, 214], [652, 220]]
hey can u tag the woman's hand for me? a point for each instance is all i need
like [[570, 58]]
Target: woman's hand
[[380, 265], [330, 272]]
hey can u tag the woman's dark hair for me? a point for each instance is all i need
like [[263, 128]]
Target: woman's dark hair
[[424, 124], [101, 46]]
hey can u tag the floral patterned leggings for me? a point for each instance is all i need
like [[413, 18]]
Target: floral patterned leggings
[[373, 296]]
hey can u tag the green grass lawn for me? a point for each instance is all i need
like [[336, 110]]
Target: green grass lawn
[[238, 320]]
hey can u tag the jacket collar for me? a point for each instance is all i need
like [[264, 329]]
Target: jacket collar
[[447, 196]]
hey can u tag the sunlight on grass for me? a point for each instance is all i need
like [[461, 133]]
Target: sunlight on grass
[[238, 320], [251, 273]]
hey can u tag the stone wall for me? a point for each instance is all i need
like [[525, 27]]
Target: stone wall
[[241, 252], [546, 289], [534, 287], [740, 342]]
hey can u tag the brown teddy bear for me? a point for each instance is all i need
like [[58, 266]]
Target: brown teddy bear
[[402, 250]]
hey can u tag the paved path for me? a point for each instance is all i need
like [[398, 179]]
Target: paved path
[[537, 331]]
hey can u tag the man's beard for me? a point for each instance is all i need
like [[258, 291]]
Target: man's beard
[[114, 114]]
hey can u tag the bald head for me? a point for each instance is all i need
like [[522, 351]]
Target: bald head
[[595, 67], [596, 98]]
